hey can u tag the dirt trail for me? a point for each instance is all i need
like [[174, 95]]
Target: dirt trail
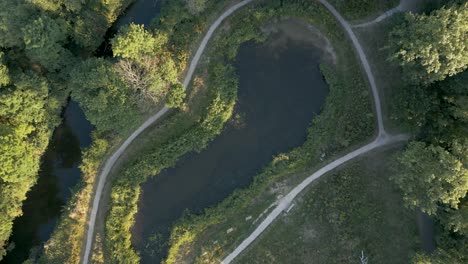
[[404, 6], [112, 160]]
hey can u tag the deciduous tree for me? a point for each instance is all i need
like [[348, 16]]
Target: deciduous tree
[[432, 47], [44, 39], [145, 64], [431, 176]]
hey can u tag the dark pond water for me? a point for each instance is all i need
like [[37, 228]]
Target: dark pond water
[[426, 231], [280, 90], [58, 173]]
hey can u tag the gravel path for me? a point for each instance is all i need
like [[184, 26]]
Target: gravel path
[[112, 160], [382, 139]]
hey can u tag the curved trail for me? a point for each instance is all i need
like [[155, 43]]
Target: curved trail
[[388, 13], [403, 6], [382, 139], [112, 160]]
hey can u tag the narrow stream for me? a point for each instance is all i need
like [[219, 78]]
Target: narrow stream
[[280, 90], [59, 172]]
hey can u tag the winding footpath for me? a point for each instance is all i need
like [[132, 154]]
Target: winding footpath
[[385, 15], [403, 6], [113, 159], [382, 139]]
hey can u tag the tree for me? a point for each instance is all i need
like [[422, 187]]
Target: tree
[[13, 16], [105, 99], [4, 74], [44, 39], [135, 43], [145, 64], [456, 220], [24, 131], [432, 47], [175, 96], [89, 29], [196, 6], [430, 176]]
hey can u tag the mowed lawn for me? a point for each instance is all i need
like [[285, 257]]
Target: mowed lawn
[[355, 208]]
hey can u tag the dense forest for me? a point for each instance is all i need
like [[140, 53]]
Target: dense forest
[[432, 50], [47, 54], [40, 42]]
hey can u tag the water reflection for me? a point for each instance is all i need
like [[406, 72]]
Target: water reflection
[[280, 90], [59, 172]]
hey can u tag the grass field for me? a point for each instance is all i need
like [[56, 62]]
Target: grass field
[[353, 209]]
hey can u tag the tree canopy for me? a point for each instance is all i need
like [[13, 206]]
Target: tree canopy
[[104, 98], [44, 39], [432, 47], [145, 64], [4, 72], [432, 176], [433, 169], [40, 42]]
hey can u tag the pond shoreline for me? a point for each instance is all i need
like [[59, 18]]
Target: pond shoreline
[[278, 79]]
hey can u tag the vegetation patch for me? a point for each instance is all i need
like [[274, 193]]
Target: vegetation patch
[[430, 101], [107, 82], [352, 211], [40, 43]]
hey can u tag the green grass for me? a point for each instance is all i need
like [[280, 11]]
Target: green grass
[[353, 209]]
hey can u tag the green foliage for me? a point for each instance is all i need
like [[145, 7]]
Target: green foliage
[[65, 244], [4, 73], [183, 27], [126, 189], [455, 219], [39, 38], [43, 40], [434, 170], [196, 6], [13, 17], [432, 47], [431, 176], [176, 95], [146, 65], [104, 98], [456, 254], [23, 136], [134, 42]]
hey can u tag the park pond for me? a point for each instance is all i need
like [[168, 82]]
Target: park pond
[[280, 90]]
